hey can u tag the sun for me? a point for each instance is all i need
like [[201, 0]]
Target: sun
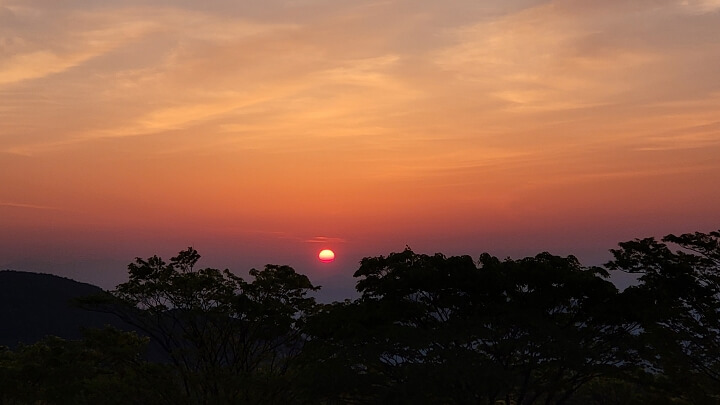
[[326, 256]]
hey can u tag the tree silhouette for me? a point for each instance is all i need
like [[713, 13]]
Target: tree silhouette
[[229, 340], [447, 330], [105, 367], [678, 301], [426, 329]]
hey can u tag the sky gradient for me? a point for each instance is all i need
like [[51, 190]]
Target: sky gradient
[[263, 131]]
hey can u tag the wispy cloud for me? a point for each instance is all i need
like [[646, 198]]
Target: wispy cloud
[[698, 136], [58, 51], [325, 240], [164, 83], [272, 115], [28, 206], [700, 6], [548, 58]]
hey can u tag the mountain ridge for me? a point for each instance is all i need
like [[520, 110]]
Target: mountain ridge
[[35, 305]]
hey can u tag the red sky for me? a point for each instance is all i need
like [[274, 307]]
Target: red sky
[[261, 132]]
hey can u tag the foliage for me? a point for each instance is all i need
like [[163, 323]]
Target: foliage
[[426, 329], [227, 339], [678, 301], [638, 389], [57, 371], [432, 327]]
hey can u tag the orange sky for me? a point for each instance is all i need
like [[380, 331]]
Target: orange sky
[[260, 132]]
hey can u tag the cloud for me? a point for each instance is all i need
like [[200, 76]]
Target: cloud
[[542, 59], [52, 49], [135, 71], [27, 206], [565, 55], [325, 240], [37, 64], [693, 137], [700, 6], [460, 94]]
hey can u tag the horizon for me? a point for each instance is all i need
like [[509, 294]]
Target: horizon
[[341, 281], [261, 133]]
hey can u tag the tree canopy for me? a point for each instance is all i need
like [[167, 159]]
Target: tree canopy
[[426, 329], [448, 328], [229, 340]]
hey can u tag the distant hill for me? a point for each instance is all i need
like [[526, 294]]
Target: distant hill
[[34, 305]]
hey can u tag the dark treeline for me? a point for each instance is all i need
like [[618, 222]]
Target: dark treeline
[[426, 329]]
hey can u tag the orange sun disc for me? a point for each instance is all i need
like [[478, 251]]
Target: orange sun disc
[[326, 255]]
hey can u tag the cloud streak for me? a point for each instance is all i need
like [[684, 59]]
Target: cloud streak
[[28, 206], [325, 240]]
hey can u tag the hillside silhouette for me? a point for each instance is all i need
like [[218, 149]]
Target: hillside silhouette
[[34, 305]]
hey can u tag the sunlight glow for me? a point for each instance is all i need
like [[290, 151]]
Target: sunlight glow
[[326, 256]]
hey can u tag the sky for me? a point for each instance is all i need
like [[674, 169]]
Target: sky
[[264, 131]]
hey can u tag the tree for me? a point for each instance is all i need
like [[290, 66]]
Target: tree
[[228, 340], [448, 330], [678, 301], [550, 326], [106, 366]]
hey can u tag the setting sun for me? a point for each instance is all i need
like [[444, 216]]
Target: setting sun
[[326, 256]]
